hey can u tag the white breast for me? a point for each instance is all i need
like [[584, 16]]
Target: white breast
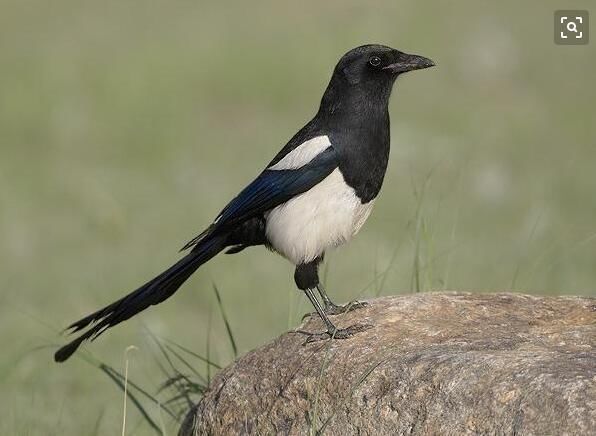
[[326, 216]]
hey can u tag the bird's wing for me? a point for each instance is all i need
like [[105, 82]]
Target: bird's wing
[[274, 186]]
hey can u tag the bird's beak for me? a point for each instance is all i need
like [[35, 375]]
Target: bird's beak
[[409, 62]]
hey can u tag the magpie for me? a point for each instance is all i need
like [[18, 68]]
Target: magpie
[[314, 195]]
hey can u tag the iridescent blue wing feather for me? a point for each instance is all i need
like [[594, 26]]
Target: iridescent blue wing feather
[[270, 189]]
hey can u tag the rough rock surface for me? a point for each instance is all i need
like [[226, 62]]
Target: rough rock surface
[[433, 363]]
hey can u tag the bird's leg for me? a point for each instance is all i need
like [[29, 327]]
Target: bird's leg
[[313, 299], [331, 308], [307, 279], [332, 331]]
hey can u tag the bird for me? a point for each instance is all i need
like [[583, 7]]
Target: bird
[[314, 195]]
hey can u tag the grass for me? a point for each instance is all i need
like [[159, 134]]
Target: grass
[[183, 385], [361, 379], [126, 127], [226, 322], [182, 388]]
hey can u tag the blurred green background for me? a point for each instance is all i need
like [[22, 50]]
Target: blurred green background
[[126, 126]]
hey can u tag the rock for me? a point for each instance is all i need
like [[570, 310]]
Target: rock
[[433, 363]]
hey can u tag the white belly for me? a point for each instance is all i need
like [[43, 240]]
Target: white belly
[[326, 216]]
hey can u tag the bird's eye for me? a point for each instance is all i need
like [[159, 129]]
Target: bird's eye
[[375, 61]]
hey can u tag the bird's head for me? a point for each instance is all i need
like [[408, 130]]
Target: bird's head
[[364, 77], [378, 63]]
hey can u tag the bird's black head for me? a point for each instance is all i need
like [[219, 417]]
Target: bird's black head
[[365, 75], [377, 63]]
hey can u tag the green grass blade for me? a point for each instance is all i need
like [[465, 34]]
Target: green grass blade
[[192, 353], [361, 380], [116, 379], [226, 322]]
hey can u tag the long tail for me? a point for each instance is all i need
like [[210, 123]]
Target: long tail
[[153, 292]]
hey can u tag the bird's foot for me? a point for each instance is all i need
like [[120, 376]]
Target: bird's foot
[[335, 309], [346, 333]]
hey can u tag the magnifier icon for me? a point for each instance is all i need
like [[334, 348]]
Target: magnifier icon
[[571, 27]]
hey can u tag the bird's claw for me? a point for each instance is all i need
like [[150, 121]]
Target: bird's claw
[[335, 309], [346, 333]]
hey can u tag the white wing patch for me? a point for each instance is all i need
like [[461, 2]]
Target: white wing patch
[[302, 154]]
